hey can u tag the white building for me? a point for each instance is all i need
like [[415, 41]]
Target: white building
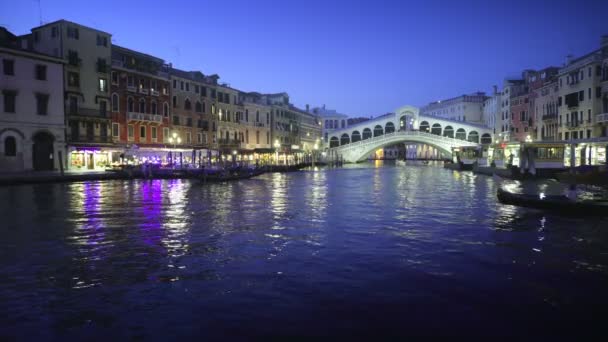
[[32, 121], [467, 108], [331, 120], [491, 110], [579, 97]]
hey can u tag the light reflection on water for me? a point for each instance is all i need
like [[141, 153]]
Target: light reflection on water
[[292, 253]]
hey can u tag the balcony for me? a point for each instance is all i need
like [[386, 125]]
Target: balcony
[[573, 124], [143, 91], [600, 118], [142, 117], [90, 139], [258, 124], [154, 92], [549, 117], [132, 88], [232, 143], [92, 113]]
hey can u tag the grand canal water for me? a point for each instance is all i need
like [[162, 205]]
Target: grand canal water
[[365, 250]]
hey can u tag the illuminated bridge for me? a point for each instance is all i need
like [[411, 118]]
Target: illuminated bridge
[[358, 141]]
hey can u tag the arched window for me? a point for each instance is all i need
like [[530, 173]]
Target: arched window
[[378, 130], [142, 105], [389, 127], [166, 109], [130, 105], [198, 107], [344, 139], [115, 103], [187, 104], [334, 142], [153, 109], [10, 147]]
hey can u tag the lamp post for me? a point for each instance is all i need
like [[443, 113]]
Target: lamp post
[[314, 153], [277, 145], [175, 140]]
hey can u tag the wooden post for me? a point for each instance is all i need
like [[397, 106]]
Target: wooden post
[[60, 162]]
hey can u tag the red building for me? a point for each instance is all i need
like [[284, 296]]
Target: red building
[[140, 104]]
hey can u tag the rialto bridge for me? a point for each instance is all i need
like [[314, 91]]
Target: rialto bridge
[[358, 141]]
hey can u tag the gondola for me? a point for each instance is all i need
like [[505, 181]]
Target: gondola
[[228, 175], [561, 204]]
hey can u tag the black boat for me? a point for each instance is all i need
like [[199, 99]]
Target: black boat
[[231, 175], [562, 204]]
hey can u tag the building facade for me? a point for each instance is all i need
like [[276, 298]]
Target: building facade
[[579, 100], [491, 110], [467, 108], [87, 55], [32, 126], [140, 108], [194, 112]]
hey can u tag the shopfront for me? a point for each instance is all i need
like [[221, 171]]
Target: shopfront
[[92, 158]]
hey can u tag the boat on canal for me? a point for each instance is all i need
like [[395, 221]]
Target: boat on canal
[[231, 175], [558, 203]]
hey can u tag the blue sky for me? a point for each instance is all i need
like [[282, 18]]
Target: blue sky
[[360, 57]]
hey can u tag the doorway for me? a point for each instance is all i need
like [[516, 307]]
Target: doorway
[[43, 152]]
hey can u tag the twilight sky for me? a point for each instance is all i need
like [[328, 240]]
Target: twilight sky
[[360, 57]]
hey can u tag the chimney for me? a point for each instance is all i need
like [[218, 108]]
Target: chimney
[[569, 59], [495, 89], [324, 107], [307, 108]]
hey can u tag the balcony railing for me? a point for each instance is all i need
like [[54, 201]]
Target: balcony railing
[[133, 116], [154, 92], [90, 139], [143, 91], [258, 124], [87, 112], [601, 118], [229, 143], [132, 89]]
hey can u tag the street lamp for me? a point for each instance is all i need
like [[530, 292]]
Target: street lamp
[[277, 145]]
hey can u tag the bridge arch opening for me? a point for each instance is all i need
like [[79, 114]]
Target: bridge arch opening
[[378, 131], [448, 131], [389, 127], [355, 136], [486, 139], [474, 137], [461, 134], [344, 139], [436, 129], [367, 133], [334, 142], [424, 126]]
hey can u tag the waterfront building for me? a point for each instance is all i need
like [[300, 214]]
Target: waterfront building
[[32, 121], [310, 132], [602, 118], [331, 120], [509, 86], [491, 109], [139, 106], [284, 129], [467, 108], [519, 107], [194, 117], [256, 126], [87, 55], [231, 133], [543, 104], [579, 100]]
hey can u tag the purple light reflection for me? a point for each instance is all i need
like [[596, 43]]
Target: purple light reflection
[[152, 202]]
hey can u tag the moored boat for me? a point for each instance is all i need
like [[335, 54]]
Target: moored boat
[[561, 204], [228, 175]]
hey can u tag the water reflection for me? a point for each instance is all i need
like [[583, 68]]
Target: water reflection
[[145, 259]]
